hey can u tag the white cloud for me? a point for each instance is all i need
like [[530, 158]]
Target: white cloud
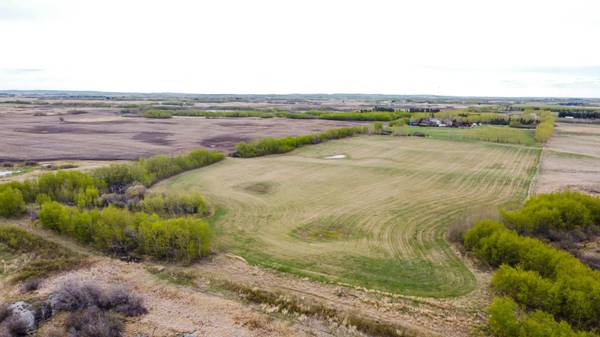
[[223, 46]]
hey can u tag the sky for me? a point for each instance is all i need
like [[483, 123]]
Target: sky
[[461, 47]]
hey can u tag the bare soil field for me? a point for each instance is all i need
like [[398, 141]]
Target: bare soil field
[[35, 133], [571, 160]]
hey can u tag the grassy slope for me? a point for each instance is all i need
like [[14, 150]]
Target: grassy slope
[[376, 219]]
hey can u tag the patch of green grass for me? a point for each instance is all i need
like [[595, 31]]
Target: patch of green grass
[[486, 133], [217, 215], [328, 229], [421, 277], [45, 257]]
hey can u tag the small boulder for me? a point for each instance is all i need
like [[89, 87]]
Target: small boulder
[[22, 311]]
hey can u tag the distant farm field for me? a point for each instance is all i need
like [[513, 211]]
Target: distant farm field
[[377, 218], [485, 133]]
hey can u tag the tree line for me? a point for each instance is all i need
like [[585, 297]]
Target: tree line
[[545, 129], [366, 115], [268, 146]]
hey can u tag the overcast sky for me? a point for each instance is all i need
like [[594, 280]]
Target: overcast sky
[[496, 48]]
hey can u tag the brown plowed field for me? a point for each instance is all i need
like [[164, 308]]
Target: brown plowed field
[[103, 134]]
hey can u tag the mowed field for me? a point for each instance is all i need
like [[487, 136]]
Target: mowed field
[[376, 219]]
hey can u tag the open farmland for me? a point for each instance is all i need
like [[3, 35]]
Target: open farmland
[[486, 133], [38, 133], [376, 218], [571, 160]]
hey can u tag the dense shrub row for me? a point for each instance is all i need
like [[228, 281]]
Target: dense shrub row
[[150, 170], [157, 113], [313, 114], [119, 231], [561, 211], [381, 116], [464, 116], [507, 320], [268, 146], [174, 205], [221, 114], [545, 129], [83, 189], [538, 276], [579, 114], [63, 186]]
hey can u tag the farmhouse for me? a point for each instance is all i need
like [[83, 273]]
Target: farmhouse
[[430, 121]]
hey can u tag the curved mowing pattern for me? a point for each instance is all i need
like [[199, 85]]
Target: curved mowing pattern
[[375, 219]]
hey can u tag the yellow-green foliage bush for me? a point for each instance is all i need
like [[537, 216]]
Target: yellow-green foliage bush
[[537, 275], [508, 320], [63, 186], [545, 129], [554, 211], [174, 205], [179, 239], [119, 231], [11, 202]]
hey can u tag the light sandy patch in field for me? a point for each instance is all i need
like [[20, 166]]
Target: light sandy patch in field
[[397, 194]]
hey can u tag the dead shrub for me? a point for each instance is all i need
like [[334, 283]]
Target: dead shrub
[[78, 295], [16, 326], [122, 301], [93, 322], [30, 285], [74, 295]]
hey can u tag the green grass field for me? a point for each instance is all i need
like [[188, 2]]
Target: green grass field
[[376, 219], [486, 133]]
